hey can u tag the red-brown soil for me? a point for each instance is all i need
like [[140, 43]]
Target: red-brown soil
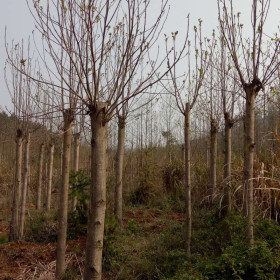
[[24, 260]]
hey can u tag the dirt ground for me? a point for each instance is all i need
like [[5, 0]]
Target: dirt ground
[[24, 260]]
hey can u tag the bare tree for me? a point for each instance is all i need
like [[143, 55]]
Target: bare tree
[[96, 29], [255, 62], [229, 94], [23, 109], [186, 91]]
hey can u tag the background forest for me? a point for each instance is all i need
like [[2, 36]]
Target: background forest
[[133, 154]]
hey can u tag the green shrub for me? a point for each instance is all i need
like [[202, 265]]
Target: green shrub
[[220, 250], [77, 220], [172, 175], [146, 185], [80, 184], [140, 196], [112, 254], [71, 273], [132, 227], [227, 255], [4, 239], [41, 228]]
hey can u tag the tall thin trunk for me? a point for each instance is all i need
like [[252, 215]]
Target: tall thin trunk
[[183, 153], [46, 178], [63, 195], [119, 170], [249, 145], [50, 179], [89, 165], [77, 140], [207, 153], [24, 186], [16, 191], [61, 159], [97, 208], [28, 182], [188, 180], [213, 158], [227, 162], [245, 192], [40, 176]]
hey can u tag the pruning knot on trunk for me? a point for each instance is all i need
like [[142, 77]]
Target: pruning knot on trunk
[[98, 110], [214, 126], [68, 114], [257, 84], [19, 133], [121, 121], [253, 87], [229, 120]]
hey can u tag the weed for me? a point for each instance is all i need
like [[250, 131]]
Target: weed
[[4, 239], [41, 228]]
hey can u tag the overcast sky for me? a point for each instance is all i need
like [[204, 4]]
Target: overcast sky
[[15, 16]]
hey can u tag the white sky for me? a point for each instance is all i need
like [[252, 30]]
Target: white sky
[[14, 15]]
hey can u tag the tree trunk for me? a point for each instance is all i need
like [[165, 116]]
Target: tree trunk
[[249, 145], [227, 162], [245, 192], [40, 176], [207, 153], [50, 179], [97, 208], [188, 181], [213, 158], [61, 158], [119, 170], [183, 154], [24, 186], [17, 187], [63, 195], [77, 140]]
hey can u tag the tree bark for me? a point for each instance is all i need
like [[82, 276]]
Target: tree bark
[[213, 158], [97, 208], [119, 170], [50, 177], [227, 162], [77, 140], [63, 196], [40, 176], [16, 191], [188, 181], [207, 153], [24, 186], [61, 158], [249, 146], [245, 192]]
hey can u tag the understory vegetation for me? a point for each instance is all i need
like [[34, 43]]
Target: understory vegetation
[[141, 152], [152, 242], [151, 246]]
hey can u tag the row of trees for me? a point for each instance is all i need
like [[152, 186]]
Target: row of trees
[[101, 61]]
